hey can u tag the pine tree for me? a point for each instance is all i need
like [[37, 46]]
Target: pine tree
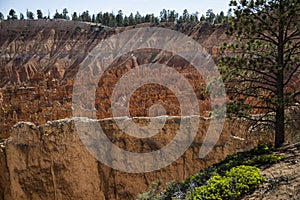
[[138, 18], [29, 14], [74, 16], [57, 15], [172, 16], [185, 16], [21, 16], [119, 18], [210, 16], [163, 15], [126, 21], [106, 20], [65, 14], [99, 18], [202, 18], [261, 68], [12, 14], [39, 14]]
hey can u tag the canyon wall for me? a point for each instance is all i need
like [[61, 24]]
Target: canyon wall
[[44, 158], [49, 161], [40, 58]]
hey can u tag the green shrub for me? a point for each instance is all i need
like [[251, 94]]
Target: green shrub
[[236, 182], [260, 155], [78, 29], [262, 149], [265, 159], [245, 178], [244, 158], [218, 187]]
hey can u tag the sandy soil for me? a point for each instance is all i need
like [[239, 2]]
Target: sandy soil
[[282, 179]]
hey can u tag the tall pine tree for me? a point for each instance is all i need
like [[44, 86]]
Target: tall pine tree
[[261, 67]]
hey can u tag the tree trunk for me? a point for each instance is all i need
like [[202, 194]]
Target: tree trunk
[[279, 126]]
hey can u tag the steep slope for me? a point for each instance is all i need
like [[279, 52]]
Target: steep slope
[[282, 179], [51, 162], [45, 158], [40, 58]]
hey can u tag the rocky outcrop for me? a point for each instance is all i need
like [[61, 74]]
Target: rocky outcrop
[[40, 58], [45, 159], [49, 161]]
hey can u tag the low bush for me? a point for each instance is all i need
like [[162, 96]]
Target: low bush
[[236, 182], [218, 187], [265, 159], [216, 176]]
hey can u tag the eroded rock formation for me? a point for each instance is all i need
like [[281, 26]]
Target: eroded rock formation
[[45, 159], [50, 161], [39, 60]]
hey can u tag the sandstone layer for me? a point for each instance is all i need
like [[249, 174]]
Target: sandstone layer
[[49, 161]]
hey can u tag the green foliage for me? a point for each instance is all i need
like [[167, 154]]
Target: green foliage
[[120, 20], [39, 14], [218, 187], [236, 182], [21, 16], [265, 159], [245, 178], [74, 16], [244, 158], [261, 64], [262, 149], [1, 16], [210, 15], [218, 176], [77, 29], [12, 14], [29, 14]]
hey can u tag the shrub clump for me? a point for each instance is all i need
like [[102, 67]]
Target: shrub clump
[[216, 176], [236, 182]]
